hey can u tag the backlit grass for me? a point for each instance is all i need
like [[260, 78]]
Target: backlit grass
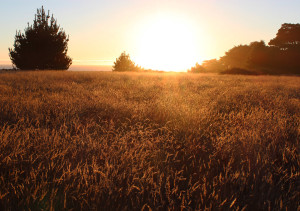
[[141, 141]]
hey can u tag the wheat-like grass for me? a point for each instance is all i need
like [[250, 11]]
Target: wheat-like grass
[[132, 141]]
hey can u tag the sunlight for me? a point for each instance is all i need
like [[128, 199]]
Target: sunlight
[[167, 42], [93, 62]]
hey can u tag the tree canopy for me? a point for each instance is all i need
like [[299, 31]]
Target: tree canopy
[[287, 37], [236, 57], [212, 65], [197, 69], [43, 45]]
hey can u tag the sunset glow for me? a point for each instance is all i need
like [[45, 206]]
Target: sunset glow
[[160, 35], [167, 42]]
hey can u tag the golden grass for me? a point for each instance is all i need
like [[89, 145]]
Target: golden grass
[[130, 141]]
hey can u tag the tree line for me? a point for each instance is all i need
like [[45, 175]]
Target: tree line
[[280, 56], [44, 45]]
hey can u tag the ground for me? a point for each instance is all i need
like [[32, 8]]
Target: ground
[[103, 140]]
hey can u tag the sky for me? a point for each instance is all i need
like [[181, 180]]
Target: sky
[[157, 34]]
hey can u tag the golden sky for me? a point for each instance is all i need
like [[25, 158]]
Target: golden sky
[[167, 35]]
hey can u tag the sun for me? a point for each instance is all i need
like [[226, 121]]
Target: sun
[[167, 42]]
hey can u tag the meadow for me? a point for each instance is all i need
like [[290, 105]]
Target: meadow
[[142, 141]]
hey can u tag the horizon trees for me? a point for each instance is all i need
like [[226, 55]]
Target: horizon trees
[[124, 64], [288, 41], [211, 66], [42, 46], [280, 56], [287, 37], [197, 68], [236, 57]]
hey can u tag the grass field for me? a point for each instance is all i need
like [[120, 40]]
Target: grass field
[[130, 141]]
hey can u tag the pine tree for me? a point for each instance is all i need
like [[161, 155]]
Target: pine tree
[[43, 45]]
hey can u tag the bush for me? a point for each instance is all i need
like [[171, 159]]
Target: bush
[[124, 64]]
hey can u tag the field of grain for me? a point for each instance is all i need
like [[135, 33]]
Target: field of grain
[[142, 141]]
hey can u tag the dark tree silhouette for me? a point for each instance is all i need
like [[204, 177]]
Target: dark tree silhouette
[[264, 58], [281, 56], [124, 64], [44, 45], [236, 57], [287, 37], [287, 40]]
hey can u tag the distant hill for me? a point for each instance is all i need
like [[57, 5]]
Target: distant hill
[[5, 66], [90, 68], [72, 68]]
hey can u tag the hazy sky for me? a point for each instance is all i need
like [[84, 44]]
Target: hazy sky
[[151, 31]]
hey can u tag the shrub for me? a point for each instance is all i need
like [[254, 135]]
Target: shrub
[[124, 64]]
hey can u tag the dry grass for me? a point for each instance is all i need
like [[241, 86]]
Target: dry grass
[[112, 141]]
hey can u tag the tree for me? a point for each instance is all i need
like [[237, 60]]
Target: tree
[[264, 58], [287, 41], [43, 45], [197, 69], [287, 37], [259, 54], [124, 64], [255, 56], [281, 56], [236, 57], [213, 65]]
